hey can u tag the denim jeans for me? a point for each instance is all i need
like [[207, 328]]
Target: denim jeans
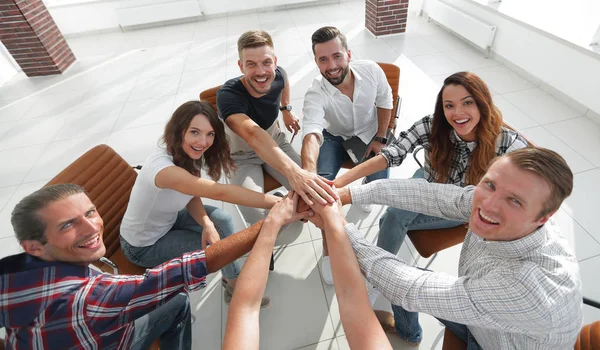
[[393, 226], [332, 155], [185, 236], [171, 323]]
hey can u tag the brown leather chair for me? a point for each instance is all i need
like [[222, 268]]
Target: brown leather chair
[[210, 96], [108, 179], [392, 73]]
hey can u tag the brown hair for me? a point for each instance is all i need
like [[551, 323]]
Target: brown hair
[[486, 132], [217, 157], [551, 167], [254, 38], [324, 34], [26, 222]]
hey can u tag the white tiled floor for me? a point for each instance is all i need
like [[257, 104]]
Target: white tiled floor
[[125, 85]]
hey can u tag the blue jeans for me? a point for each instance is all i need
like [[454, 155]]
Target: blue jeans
[[461, 331], [332, 155], [171, 323], [185, 236], [393, 226]]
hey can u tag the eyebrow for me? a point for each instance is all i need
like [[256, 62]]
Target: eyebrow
[[517, 198], [464, 98], [62, 223]]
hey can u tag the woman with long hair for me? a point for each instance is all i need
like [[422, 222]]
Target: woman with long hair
[[165, 216], [464, 134]]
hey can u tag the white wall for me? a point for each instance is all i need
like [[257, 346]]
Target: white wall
[[76, 17], [8, 66], [570, 70]]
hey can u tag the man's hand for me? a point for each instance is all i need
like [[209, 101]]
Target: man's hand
[[291, 122], [328, 213], [312, 186], [285, 211], [209, 235], [375, 147]]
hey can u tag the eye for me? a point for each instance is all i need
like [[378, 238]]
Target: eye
[[490, 185], [194, 132], [211, 134], [250, 65], [66, 226], [448, 106], [516, 202], [90, 212], [468, 103], [322, 60]]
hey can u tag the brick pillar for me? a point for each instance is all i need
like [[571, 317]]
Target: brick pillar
[[30, 35], [384, 17]]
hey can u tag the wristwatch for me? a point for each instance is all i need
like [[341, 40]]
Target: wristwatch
[[285, 108], [380, 139]]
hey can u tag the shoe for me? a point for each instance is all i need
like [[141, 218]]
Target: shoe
[[386, 320], [279, 194], [228, 294], [372, 292], [326, 270]]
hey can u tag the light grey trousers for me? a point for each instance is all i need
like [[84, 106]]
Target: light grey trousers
[[249, 174]]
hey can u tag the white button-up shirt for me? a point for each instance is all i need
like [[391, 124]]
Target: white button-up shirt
[[326, 107], [521, 294]]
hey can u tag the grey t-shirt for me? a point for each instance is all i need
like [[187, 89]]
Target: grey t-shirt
[[152, 211]]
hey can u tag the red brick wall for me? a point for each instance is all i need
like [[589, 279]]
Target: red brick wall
[[383, 17], [30, 35]]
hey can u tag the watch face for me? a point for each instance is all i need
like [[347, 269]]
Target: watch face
[[287, 107]]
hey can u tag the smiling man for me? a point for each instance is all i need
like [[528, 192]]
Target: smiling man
[[250, 105], [518, 284], [51, 299]]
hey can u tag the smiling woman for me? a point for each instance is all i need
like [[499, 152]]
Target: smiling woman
[[165, 216]]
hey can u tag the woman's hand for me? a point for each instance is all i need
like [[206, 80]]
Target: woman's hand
[[285, 211], [209, 235]]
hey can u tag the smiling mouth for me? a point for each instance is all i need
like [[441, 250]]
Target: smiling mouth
[[93, 242], [462, 121], [334, 73], [261, 80], [197, 149], [486, 219]]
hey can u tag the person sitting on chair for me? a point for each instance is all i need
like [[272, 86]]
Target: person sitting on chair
[[518, 284], [464, 134], [52, 299], [250, 105], [350, 100], [165, 215]]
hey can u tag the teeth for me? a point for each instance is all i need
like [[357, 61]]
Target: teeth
[[90, 242], [197, 149], [261, 80], [487, 218], [461, 121]]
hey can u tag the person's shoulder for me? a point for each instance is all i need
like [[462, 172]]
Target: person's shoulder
[[233, 85], [159, 157]]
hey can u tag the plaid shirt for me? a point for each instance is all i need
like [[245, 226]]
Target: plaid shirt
[[53, 305], [521, 294], [418, 135]]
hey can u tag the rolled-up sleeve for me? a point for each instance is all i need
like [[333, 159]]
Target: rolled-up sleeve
[[313, 111], [384, 91]]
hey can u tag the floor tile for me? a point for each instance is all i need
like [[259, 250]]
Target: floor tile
[[468, 59], [435, 64], [543, 138], [583, 244], [584, 201], [541, 106], [5, 194], [21, 161], [136, 144], [206, 306], [513, 115], [58, 155], [503, 80], [22, 190], [444, 41], [590, 314], [378, 51], [410, 44], [200, 80], [153, 87], [145, 112], [582, 134], [297, 302], [9, 246], [330, 344], [89, 121]]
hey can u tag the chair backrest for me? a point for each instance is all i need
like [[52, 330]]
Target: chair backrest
[[108, 179], [392, 73], [210, 96]]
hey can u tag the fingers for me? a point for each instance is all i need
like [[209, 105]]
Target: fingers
[[369, 150], [289, 127], [305, 198], [324, 186]]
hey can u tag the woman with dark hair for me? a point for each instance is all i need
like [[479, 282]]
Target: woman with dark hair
[[461, 138], [165, 216]]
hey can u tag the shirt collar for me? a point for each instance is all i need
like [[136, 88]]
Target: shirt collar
[[470, 145], [517, 248]]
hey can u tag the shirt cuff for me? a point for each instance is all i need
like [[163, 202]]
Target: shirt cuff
[[316, 131], [360, 194]]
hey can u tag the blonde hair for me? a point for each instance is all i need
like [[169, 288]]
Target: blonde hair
[[254, 38]]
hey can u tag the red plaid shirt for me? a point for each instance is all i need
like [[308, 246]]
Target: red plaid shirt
[[53, 305]]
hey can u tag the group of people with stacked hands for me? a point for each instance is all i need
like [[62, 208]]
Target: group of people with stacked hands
[[518, 284]]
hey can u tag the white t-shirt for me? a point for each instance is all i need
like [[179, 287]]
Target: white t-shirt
[[326, 107], [152, 211]]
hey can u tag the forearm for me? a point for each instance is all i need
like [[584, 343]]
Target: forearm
[[227, 250], [358, 319], [243, 196], [196, 209], [267, 149], [243, 317], [417, 195], [383, 121], [369, 167], [310, 153]]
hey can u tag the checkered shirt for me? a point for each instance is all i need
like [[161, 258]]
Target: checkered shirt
[[418, 135], [57, 305], [521, 294]]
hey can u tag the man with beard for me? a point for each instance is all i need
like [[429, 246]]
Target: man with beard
[[349, 99], [250, 105]]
